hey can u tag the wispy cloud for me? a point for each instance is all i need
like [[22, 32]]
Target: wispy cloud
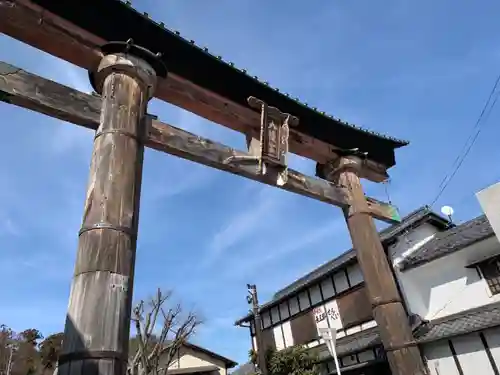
[[271, 249], [8, 227], [256, 217], [166, 177], [69, 138]]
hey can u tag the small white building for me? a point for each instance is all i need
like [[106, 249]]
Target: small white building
[[195, 360], [449, 280]]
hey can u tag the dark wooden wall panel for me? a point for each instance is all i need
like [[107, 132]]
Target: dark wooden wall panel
[[354, 307], [268, 339], [304, 329]]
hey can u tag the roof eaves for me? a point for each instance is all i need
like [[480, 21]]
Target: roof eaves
[[461, 323], [345, 258], [433, 247], [229, 362], [397, 142], [386, 234]]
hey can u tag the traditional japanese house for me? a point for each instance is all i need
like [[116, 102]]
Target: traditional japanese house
[[448, 276]]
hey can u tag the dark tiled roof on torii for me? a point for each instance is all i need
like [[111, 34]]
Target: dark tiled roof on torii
[[114, 20], [452, 240]]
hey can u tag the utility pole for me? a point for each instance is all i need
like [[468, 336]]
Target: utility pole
[[402, 351], [254, 301]]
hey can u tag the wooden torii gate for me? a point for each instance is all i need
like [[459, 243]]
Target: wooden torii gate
[[126, 75]]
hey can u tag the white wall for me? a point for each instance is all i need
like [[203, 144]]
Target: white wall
[[470, 354], [445, 286], [408, 243], [188, 358], [411, 241]]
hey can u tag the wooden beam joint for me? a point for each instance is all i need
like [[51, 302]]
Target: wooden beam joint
[[29, 91], [355, 161]]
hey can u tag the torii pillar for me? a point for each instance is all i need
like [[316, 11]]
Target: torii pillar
[[97, 327], [403, 353]]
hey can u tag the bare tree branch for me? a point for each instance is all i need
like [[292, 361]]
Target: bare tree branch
[[155, 350]]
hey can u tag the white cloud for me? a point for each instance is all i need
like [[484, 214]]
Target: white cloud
[[261, 254], [8, 227], [69, 137], [178, 179], [248, 221]]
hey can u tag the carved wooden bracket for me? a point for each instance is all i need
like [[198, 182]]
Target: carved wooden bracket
[[269, 152], [272, 148]]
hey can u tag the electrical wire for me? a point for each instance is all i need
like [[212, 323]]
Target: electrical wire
[[462, 155]]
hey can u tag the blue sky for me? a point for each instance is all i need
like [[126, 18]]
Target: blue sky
[[417, 70]]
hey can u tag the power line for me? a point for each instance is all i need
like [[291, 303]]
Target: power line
[[462, 155]]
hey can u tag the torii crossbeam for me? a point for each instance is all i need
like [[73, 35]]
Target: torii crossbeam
[[127, 71]]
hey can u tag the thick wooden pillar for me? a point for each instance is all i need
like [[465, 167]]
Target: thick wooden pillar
[[98, 320], [403, 353]]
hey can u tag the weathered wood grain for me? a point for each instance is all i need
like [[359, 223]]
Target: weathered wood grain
[[98, 320], [29, 23], [41, 95], [383, 294], [303, 328], [354, 307]]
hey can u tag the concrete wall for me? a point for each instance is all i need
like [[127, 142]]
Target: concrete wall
[[473, 354]]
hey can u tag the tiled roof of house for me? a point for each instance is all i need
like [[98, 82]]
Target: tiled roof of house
[[229, 362], [450, 241], [358, 342], [461, 323], [386, 235], [469, 321]]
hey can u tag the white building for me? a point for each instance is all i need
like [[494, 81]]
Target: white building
[[450, 282], [192, 359]]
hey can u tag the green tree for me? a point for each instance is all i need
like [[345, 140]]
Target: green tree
[[26, 359], [7, 338], [49, 351], [296, 360]]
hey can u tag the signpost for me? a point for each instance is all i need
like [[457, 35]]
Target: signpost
[[330, 337]]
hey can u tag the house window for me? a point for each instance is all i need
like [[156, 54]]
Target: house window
[[491, 272]]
